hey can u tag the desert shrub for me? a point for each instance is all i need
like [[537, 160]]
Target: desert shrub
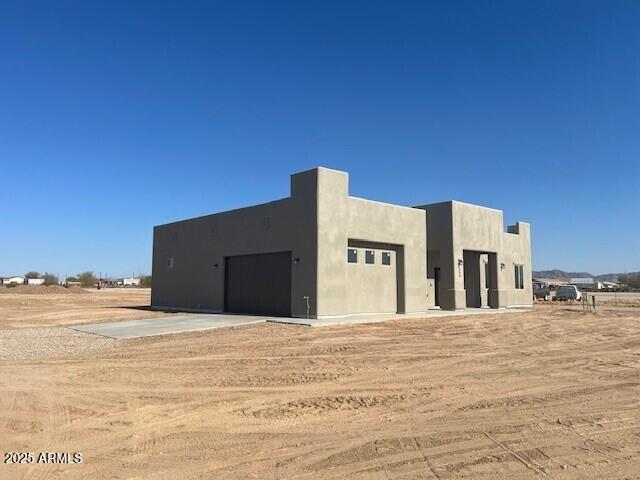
[[50, 279], [87, 279]]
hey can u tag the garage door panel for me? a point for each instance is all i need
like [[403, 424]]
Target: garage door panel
[[258, 284], [372, 288]]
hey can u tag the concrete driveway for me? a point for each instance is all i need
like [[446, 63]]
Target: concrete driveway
[[207, 321], [164, 325]]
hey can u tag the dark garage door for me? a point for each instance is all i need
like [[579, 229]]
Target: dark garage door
[[258, 284]]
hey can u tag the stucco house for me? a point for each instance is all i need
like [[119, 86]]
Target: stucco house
[[321, 252]]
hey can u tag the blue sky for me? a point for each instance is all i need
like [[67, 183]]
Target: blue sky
[[115, 117]]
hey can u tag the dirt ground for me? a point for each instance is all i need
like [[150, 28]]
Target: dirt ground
[[553, 393], [18, 310]]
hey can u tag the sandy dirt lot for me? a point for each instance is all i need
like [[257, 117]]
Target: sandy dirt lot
[[19, 310], [553, 393], [622, 298]]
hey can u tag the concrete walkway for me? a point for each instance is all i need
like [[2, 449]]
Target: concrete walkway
[[164, 325], [384, 317], [207, 321]]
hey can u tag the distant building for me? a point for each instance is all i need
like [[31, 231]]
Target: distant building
[[550, 282], [35, 281], [131, 282], [586, 283], [610, 286], [15, 280]]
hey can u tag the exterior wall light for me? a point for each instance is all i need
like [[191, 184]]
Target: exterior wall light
[[502, 266], [296, 260], [215, 265]]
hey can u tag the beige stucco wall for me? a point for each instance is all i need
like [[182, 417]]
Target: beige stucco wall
[[342, 218], [516, 249], [364, 279], [197, 244], [455, 228]]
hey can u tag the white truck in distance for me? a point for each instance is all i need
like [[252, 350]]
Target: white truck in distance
[[568, 292]]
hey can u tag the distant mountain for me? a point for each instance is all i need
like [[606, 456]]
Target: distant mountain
[[613, 277], [559, 274], [562, 275]]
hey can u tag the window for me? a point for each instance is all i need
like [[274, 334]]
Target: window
[[369, 257], [386, 258], [170, 262], [352, 255], [519, 276]]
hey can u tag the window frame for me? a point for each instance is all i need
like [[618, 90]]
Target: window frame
[[370, 254], [353, 251], [519, 276], [386, 255]]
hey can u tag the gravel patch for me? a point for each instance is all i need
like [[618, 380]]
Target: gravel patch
[[47, 342]]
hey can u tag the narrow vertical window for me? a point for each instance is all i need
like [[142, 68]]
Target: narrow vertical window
[[369, 257], [386, 258], [352, 255], [487, 272], [519, 276]]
